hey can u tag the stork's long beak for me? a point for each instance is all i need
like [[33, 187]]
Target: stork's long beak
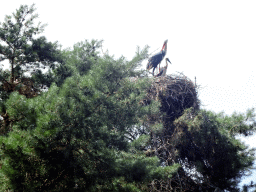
[[168, 60]]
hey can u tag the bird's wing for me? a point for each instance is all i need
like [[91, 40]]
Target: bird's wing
[[155, 60]]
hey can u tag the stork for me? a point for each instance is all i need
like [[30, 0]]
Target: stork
[[157, 58], [163, 69]]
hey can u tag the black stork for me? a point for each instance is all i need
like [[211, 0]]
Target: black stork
[[157, 58], [163, 69]]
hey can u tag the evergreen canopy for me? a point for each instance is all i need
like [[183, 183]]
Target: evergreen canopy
[[99, 127]]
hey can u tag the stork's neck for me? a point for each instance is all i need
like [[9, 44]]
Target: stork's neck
[[164, 47]]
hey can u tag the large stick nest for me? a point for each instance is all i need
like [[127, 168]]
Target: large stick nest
[[176, 93]]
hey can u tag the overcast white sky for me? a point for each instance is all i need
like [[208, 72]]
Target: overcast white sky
[[212, 40]]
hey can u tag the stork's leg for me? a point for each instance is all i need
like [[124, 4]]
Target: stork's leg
[[153, 71]]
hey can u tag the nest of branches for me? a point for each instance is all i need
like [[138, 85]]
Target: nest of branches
[[176, 93]]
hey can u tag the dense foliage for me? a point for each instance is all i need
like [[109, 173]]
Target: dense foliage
[[89, 130]]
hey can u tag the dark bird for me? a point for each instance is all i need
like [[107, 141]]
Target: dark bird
[[163, 69], [157, 58]]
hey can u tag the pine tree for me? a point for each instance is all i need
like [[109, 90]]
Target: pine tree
[[77, 60], [25, 54], [89, 130], [206, 147], [23, 51], [75, 136]]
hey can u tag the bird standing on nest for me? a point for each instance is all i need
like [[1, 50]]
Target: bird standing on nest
[[157, 58], [163, 69]]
